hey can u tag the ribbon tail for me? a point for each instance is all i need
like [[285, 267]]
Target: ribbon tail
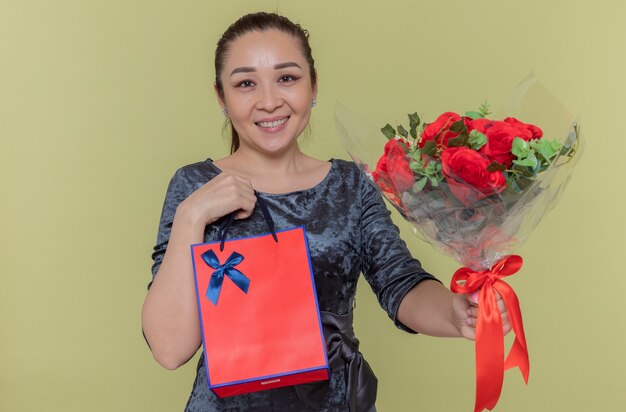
[[518, 355], [489, 351], [239, 279], [215, 287]]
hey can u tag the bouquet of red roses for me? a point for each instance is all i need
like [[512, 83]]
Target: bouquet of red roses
[[474, 187]]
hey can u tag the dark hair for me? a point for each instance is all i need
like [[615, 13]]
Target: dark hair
[[260, 21]]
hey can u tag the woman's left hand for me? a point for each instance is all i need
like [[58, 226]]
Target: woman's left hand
[[465, 309]]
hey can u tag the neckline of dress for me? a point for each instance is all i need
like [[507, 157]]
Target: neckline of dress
[[333, 165]]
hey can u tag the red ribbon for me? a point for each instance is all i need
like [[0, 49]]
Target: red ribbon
[[490, 366]]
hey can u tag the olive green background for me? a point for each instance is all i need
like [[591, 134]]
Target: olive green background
[[100, 102]]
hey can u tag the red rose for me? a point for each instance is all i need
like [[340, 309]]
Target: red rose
[[393, 173], [479, 125], [465, 171], [500, 135], [382, 180], [441, 128], [535, 132]]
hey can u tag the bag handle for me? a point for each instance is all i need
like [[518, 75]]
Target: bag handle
[[223, 229]]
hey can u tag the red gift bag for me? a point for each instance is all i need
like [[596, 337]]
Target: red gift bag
[[260, 320]]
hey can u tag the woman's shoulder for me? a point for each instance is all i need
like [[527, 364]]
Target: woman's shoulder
[[198, 172], [346, 168], [349, 172]]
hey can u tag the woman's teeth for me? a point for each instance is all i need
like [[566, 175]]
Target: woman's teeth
[[273, 124]]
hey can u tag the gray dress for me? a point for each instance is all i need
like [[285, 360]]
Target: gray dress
[[349, 231]]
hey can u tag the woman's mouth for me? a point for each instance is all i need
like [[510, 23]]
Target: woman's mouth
[[272, 124]]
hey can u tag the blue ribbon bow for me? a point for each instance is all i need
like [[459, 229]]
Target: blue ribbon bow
[[217, 278]]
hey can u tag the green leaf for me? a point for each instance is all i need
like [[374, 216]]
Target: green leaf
[[530, 161], [416, 166], [512, 186], [414, 122], [460, 140], [434, 181], [484, 109], [477, 139], [402, 131], [522, 171], [430, 148], [474, 115], [548, 149], [420, 184], [520, 148], [389, 131], [495, 166], [431, 168], [458, 127], [524, 182], [415, 154]]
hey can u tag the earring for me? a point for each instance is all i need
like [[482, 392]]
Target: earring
[[313, 102], [224, 112]]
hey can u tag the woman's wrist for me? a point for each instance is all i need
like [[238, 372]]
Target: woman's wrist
[[190, 216]]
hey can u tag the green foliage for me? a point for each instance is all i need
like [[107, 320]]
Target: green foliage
[[483, 111], [414, 122], [495, 167], [548, 149], [536, 154], [477, 140], [389, 131], [474, 115], [402, 131], [430, 148], [463, 138], [425, 168], [420, 184], [520, 148], [532, 158]]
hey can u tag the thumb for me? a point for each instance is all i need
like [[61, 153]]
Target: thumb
[[473, 297]]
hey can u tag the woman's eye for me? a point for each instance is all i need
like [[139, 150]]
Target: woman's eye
[[245, 83], [286, 78]]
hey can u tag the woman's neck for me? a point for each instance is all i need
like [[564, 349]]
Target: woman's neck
[[275, 174]]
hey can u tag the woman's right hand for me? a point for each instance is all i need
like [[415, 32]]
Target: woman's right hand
[[220, 196]]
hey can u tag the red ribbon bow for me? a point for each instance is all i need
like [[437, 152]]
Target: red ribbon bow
[[490, 366]]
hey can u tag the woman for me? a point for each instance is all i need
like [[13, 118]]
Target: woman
[[266, 84]]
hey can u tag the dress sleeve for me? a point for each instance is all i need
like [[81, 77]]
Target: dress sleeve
[[387, 264], [178, 190]]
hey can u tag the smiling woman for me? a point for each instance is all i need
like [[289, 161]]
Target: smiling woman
[[261, 22], [266, 89], [267, 84]]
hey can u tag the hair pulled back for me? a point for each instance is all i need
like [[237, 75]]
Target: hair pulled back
[[260, 21]]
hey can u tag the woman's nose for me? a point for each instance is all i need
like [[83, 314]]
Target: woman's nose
[[269, 98]]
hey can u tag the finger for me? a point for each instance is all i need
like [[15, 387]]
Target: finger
[[501, 304], [246, 206], [470, 334], [473, 298]]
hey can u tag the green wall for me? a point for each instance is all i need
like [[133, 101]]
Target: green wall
[[100, 101]]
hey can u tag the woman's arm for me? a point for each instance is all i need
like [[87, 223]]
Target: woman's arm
[[170, 314], [431, 309]]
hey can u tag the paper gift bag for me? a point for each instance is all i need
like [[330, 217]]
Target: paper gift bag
[[259, 315]]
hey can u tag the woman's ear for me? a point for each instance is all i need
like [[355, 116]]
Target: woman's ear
[[315, 86], [220, 98]]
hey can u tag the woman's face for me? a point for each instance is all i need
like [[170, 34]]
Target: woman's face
[[267, 90]]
